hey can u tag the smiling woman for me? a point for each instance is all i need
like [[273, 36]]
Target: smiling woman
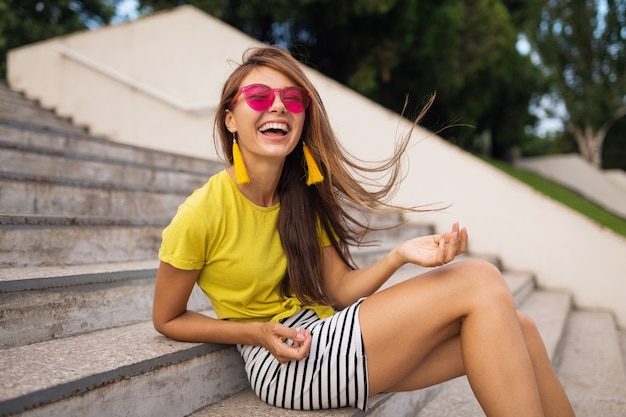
[[268, 128], [268, 241]]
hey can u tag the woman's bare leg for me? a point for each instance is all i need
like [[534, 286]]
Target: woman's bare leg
[[553, 397], [456, 320]]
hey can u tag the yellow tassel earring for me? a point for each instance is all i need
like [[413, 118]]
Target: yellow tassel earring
[[241, 173], [314, 175]]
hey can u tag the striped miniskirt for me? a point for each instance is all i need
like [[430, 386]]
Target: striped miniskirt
[[333, 375]]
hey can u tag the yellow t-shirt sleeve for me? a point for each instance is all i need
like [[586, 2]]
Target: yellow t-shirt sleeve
[[184, 240]]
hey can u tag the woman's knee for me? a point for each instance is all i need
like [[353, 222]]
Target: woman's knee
[[486, 282]]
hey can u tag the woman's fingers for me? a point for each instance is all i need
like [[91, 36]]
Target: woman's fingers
[[452, 243], [290, 344], [462, 241], [297, 351], [449, 247]]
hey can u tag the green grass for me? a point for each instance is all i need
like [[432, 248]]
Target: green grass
[[565, 196]]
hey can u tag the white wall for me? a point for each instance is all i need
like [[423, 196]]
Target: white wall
[[184, 55]]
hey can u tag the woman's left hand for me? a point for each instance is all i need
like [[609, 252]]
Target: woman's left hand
[[434, 250], [285, 343]]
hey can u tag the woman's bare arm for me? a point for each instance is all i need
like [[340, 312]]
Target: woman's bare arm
[[171, 318], [345, 286]]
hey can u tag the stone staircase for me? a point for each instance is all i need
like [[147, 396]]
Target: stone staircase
[[80, 224]]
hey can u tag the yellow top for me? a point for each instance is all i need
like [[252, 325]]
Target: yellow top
[[236, 246]]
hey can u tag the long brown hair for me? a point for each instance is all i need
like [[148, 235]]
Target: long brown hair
[[340, 203]]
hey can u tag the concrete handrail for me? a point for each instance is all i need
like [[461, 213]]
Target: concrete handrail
[[198, 109]]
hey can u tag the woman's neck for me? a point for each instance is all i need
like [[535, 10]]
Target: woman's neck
[[262, 188]]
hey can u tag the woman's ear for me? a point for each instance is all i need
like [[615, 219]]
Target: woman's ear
[[229, 121]]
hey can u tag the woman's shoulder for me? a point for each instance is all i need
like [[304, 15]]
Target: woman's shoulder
[[212, 191], [208, 198]]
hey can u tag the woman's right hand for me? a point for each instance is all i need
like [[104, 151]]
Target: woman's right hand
[[286, 343]]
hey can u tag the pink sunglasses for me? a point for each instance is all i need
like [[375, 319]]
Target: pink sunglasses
[[261, 97]]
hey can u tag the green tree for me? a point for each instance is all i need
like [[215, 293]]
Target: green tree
[[464, 51], [582, 45], [27, 21], [614, 149]]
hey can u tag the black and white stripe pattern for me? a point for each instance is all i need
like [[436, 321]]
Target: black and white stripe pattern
[[333, 375]]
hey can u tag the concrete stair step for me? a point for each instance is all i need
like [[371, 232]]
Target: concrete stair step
[[44, 165], [126, 371], [32, 195], [621, 334], [591, 366], [15, 107], [11, 98], [9, 95], [46, 303], [246, 403], [549, 310], [21, 135], [33, 241], [385, 240], [45, 119]]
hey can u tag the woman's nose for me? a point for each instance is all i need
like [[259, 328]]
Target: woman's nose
[[277, 104]]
